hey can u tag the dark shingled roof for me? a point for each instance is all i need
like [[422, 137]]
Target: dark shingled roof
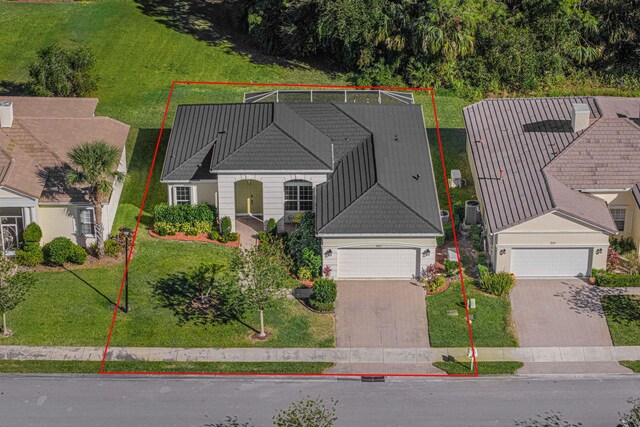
[[543, 162], [379, 156]]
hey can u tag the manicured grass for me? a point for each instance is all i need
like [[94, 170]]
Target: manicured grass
[[491, 324], [634, 365], [77, 367], [484, 368], [623, 318], [75, 308]]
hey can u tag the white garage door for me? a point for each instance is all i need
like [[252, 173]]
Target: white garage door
[[376, 262], [550, 262]]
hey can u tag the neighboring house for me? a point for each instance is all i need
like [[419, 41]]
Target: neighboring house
[[556, 178], [35, 136], [365, 169]]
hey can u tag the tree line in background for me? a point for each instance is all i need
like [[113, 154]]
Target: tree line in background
[[479, 45]]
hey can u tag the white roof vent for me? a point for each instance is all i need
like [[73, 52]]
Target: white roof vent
[[580, 117], [6, 114]]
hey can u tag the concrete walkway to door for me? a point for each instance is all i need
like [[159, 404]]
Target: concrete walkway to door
[[380, 314], [560, 313]]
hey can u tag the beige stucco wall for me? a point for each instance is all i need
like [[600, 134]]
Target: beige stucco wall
[[207, 192], [549, 230], [635, 229], [57, 221], [333, 243], [625, 200]]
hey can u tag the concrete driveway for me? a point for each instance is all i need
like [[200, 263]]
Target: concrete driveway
[[559, 313], [380, 314]]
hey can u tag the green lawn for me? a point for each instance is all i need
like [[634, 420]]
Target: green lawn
[[634, 365], [75, 308], [75, 367], [623, 318], [484, 368], [491, 324]]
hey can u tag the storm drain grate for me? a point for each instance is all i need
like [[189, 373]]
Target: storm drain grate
[[378, 379]]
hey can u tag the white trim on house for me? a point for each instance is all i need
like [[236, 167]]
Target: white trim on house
[[273, 172], [390, 235]]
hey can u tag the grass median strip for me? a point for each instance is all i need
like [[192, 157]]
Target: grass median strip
[[484, 368], [623, 318], [93, 367], [634, 365]]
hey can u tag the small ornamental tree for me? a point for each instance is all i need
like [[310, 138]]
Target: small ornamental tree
[[307, 412], [63, 72], [94, 170], [261, 276], [13, 288]]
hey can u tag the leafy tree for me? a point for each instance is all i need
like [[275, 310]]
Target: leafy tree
[[212, 291], [94, 167], [13, 289], [303, 237], [307, 412], [261, 277], [63, 72]]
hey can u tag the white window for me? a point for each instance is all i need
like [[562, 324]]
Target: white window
[[87, 221], [618, 215], [183, 195], [298, 196]]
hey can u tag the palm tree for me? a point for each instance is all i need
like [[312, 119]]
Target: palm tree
[[94, 167]]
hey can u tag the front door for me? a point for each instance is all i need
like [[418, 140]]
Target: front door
[[9, 235]]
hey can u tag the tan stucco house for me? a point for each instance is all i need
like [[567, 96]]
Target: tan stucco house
[[364, 169], [556, 177], [35, 136]]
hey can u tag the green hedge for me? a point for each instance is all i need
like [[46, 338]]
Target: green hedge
[[181, 214], [608, 279]]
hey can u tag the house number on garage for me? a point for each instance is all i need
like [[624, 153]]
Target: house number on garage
[[552, 243]]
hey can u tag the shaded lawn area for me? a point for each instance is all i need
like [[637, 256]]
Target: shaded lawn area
[[623, 318], [91, 367], [491, 324], [634, 365], [75, 308], [484, 368]]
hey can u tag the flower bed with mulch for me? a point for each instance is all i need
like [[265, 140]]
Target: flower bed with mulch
[[203, 238]]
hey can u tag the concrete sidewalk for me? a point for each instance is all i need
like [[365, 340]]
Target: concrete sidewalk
[[336, 355]]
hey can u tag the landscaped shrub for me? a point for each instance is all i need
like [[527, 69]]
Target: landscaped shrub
[[234, 237], [304, 274], [436, 284], [311, 261], [324, 294], [226, 226], [214, 235], [482, 259], [476, 237], [303, 237], [622, 244], [32, 236], [440, 240], [613, 259], [483, 270], [450, 267], [58, 251], [78, 255], [203, 227], [612, 280], [112, 248], [428, 274], [190, 230], [499, 284], [30, 258], [164, 228], [272, 227], [458, 213], [190, 214]]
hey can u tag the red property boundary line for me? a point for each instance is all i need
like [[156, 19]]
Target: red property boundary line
[[144, 198]]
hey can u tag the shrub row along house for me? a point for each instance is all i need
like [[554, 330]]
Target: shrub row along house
[[364, 169], [556, 178], [35, 136]]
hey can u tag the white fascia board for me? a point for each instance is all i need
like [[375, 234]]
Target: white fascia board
[[175, 182], [351, 236], [608, 190], [269, 172]]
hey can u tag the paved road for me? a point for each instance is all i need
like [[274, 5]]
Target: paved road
[[113, 401]]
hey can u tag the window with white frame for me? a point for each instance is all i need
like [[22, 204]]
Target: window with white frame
[[298, 196], [618, 215], [87, 220], [183, 195]]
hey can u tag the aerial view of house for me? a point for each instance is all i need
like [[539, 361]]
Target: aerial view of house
[[364, 169], [35, 136], [556, 178]]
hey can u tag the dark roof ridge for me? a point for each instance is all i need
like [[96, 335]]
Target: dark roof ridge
[[407, 206], [375, 183], [206, 147], [211, 170], [298, 142], [584, 134]]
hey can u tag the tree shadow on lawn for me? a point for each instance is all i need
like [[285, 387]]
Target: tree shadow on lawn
[[176, 293], [9, 88], [217, 23], [622, 309]]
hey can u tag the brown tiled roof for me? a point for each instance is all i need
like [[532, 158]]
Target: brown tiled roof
[[33, 151], [605, 157]]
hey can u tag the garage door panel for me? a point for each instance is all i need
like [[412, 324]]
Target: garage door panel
[[377, 262], [550, 262]]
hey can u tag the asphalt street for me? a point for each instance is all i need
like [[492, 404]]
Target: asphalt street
[[144, 401]]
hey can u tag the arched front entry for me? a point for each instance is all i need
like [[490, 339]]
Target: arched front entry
[[248, 197]]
